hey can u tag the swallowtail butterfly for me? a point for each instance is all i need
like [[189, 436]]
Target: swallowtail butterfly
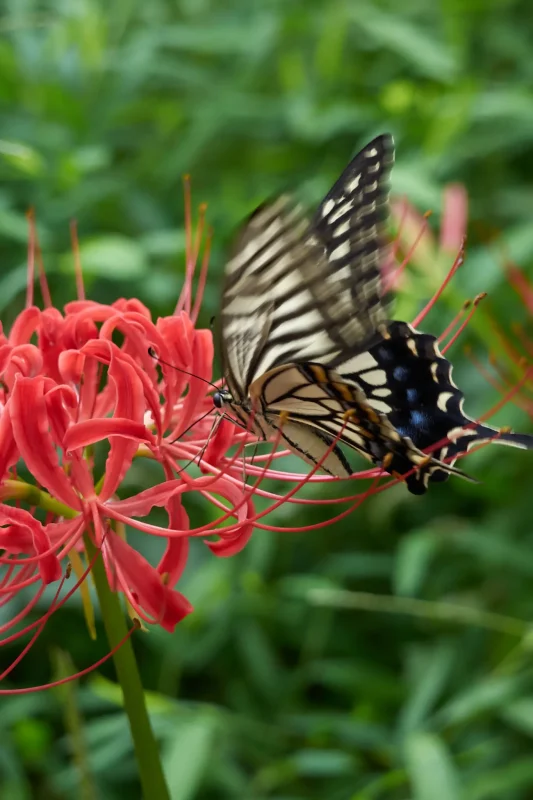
[[308, 349]]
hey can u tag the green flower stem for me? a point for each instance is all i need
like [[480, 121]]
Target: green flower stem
[[20, 490], [146, 749]]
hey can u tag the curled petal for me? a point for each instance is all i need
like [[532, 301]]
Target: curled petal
[[25, 534], [178, 332], [61, 405], [128, 389], [170, 332], [227, 546], [82, 434], [51, 328], [129, 404], [31, 430], [175, 556], [71, 365], [132, 304], [144, 585], [24, 359], [202, 359], [220, 442], [78, 330], [236, 533], [25, 325], [104, 351], [8, 449]]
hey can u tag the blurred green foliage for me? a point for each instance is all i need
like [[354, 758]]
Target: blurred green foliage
[[281, 685]]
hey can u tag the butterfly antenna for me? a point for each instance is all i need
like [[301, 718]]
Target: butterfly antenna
[[196, 421], [210, 435], [152, 353], [214, 428], [256, 447], [235, 422]]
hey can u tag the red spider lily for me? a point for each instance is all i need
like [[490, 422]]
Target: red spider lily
[[76, 410]]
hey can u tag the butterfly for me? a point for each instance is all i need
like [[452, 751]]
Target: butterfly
[[308, 349]]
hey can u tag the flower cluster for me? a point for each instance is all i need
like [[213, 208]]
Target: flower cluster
[[87, 390]]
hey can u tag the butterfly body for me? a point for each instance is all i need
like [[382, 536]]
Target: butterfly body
[[310, 354]]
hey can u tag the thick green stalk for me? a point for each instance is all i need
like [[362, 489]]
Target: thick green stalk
[[146, 750]]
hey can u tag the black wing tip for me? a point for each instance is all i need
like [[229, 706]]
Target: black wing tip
[[522, 440], [418, 482], [383, 142], [484, 433]]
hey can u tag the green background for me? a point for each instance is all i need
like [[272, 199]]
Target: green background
[[264, 691]]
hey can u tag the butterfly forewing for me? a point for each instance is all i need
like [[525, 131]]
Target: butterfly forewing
[[289, 293], [351, 225]]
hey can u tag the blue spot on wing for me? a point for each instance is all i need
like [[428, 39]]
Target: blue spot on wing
[[400, 373], [419, 418], [385, 353], [413, 396]]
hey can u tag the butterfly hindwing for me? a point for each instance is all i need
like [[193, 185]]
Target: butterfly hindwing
[[317, 397], [405, 376]]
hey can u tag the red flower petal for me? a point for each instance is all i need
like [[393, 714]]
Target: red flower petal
[[175, 556], [25, 534], [91, 431], [25, 325], [142, 583], [32, 436], [8, 449]]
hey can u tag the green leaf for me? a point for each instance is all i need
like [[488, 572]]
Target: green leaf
[[520, 715], [318, 763], [433, 669], [431, 769], [485, 695], [513, 780], [413, 558], [189, 754], [23, 158], [112, 257], [417, 46]]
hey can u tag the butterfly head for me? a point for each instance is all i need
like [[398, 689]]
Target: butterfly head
[[222, 398]]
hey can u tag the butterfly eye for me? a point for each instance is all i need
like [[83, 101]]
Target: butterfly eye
[[221, 398]]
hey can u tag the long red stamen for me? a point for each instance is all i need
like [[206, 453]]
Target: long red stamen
[[30, 216], [392, 278], [202, 278], [184, 301], [465, 322], [29, 690], [80, 287], [459, 259]]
